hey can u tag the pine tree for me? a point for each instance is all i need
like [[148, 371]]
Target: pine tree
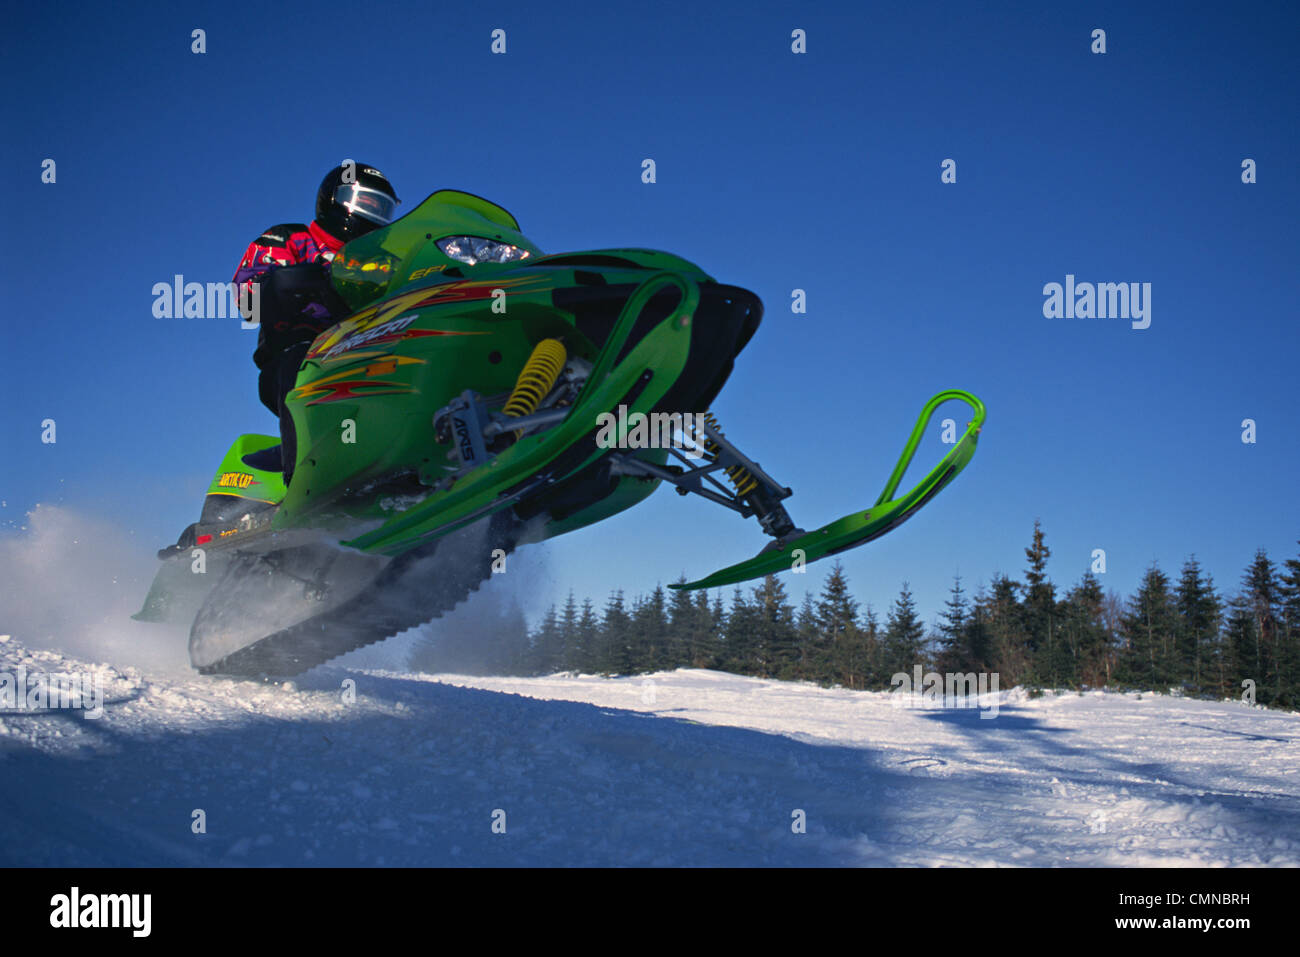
[[1199, 612], [739, 636], [838, 641], [904, 636], [978, 644], [614, 657], [1113, 609], [650, 632], [1039, 614], [1147, 658], [571, 650], [866, 656], [1004, 620], [851, 654], [955, 632], [547, 644], [1289, 594], [1255, 631], [688, 627], [588, 638], [1084, 646], [813, 663], [637, 654], [773, 623], [717, 640]]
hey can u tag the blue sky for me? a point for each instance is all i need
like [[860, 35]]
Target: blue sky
[[775, 172]]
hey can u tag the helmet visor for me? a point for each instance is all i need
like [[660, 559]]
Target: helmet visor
[[367, 203]]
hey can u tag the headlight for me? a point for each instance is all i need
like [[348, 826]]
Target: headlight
[[476, 249]]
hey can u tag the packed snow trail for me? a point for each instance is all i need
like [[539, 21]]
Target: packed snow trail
[[685, 768]]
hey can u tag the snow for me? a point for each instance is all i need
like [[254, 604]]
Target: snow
[[682, 768]]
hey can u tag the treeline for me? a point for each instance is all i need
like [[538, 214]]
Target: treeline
[[1181, 634]]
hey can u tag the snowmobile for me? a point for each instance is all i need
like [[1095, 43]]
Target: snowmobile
[[480, 396]]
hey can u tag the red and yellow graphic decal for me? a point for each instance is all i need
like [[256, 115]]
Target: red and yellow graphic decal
[[349, 384], [469, 290]]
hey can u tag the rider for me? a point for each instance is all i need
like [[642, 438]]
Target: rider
[[353, 199]]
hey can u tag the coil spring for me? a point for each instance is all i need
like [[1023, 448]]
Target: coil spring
[[740, 477], [537, 379]]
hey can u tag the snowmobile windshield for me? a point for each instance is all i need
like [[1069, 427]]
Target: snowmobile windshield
[[416, 245], [367, 203]]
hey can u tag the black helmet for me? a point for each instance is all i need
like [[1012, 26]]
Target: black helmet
[[353, 199]]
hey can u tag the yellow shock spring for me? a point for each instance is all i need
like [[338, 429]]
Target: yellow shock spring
[[739, 476], [537, 379]]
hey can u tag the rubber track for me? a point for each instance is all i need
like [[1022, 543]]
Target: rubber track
[[366, 619]]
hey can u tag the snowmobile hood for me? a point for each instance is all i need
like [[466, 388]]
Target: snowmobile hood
[[407, 249]]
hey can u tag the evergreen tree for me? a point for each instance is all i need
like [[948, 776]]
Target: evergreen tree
[[955, 632], [866, 656], [773, 623], [1084, 646], [1113, 609], [588, 638], [637, 654], [650, 632], [1003, 617], [813, 661], [1147, 658], [1039, 614], [1255, 631], [739, 636], [1289, 593], [904, 641], [571, 650], [851, 654], [978, 646], [714, 655], [841, 653], [837, 611], [615, 655], [1199, 611], [547, 645], [688, 627]]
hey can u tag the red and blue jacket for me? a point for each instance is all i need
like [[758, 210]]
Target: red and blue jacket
[[288, 244]]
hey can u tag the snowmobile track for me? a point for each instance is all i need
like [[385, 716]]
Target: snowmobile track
[[426, 584]]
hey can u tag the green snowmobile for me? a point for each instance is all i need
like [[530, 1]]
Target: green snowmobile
[[482, 395]]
